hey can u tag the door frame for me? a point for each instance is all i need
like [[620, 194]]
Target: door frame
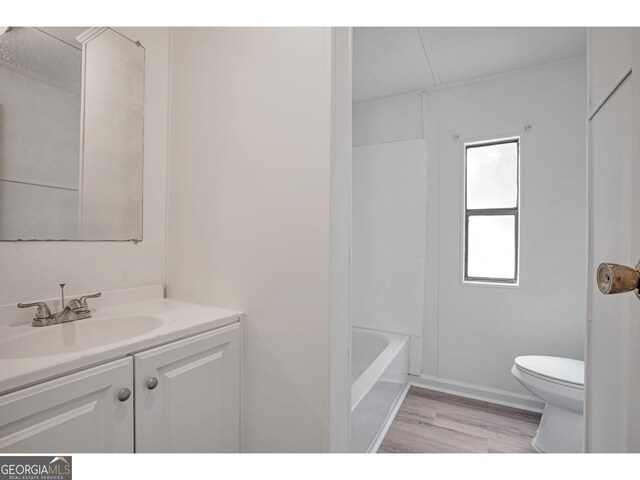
[[340, 243]]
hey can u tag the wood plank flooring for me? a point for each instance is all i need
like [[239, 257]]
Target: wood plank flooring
[[435, 422]]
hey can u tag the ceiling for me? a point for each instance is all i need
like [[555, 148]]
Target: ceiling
[[393, 60]]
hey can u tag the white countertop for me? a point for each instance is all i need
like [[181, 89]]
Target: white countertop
[[178, 319]]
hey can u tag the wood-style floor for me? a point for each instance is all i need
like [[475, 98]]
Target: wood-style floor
[[435, 422]]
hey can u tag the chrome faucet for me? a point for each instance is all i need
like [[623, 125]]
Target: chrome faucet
[[76, 309]]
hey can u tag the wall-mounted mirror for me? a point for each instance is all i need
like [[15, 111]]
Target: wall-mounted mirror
[[71, 134]]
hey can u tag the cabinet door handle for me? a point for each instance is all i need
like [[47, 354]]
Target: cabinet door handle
[[124, 394], [152, 383]]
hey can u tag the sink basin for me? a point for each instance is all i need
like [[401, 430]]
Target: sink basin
[[74, 336]]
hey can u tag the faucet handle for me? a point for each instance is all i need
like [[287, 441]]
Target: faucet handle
[[43, 312], [83, 299], [75, 305]]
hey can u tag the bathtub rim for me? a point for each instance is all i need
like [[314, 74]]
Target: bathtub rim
[[370, 375]]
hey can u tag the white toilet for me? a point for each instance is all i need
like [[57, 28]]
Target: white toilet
[[560, 383]]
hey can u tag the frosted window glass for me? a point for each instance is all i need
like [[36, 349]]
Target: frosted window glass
[[491, 246], [492, 176]]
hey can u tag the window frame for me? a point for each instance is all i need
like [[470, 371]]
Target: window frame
[[483, 212]]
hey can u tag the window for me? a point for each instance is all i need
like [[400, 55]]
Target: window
[[491, 211]]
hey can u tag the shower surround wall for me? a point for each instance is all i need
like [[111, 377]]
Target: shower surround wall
[[472, 333], [389, 208]]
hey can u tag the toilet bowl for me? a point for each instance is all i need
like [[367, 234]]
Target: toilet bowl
[[560, 383]]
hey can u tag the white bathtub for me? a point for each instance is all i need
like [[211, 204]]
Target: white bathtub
[[379, 375]]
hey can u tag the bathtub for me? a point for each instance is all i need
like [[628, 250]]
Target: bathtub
[[379, 377]]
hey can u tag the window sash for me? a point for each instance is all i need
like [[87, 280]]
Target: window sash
[[511, 211], [494, 143], [485, 213]]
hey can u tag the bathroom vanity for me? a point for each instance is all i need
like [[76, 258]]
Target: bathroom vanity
[[144, 374]]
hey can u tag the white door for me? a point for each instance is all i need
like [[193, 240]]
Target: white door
[[188, 394], [77, 413], [613, 347]]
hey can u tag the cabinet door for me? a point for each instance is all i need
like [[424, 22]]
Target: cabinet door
[[77, 413], [195, 405]]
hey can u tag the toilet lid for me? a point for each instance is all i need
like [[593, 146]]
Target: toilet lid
[[566, 370]]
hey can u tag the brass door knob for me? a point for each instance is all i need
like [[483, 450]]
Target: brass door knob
[[613, 278]]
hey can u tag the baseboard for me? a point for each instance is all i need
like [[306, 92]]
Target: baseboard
[[392, 415], [492, 395]]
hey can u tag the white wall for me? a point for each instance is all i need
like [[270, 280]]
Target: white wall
[[249, 206], [32, 271], [388, 120], [472, 333], [481, 329]]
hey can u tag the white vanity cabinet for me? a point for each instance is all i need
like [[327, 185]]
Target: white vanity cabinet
[[183, 397], [77, 413], [188, 394]]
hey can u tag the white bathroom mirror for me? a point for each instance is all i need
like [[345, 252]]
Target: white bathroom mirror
[[71, 134]]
